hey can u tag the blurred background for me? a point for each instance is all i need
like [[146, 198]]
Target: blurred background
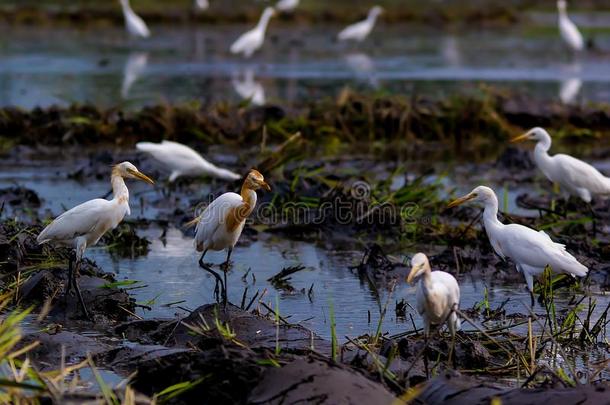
[[59, 52]]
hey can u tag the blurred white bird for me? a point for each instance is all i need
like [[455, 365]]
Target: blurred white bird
[[287, 6], [202, 5], [363, 66], [574, 176], [360, 30], [531, 251], [438, 294], [85, 224], [569, 89], [221, 223], [249, 88], [568, 30], [250, 41], [134, 67], [135, 26], [184, 161]]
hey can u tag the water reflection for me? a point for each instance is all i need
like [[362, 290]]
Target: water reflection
[[569, 86], [134, 67], [248, 88], [364, 67]]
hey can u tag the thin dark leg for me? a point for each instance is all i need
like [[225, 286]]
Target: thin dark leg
[[594, 218], [71, 261], [533, 300], [212, 272], [226, 270], [78, 293]]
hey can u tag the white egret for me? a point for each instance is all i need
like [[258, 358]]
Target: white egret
[[184, 161], [531, 251], [250, 41], [438, 294], [568, 30], [221, 223], [84, 225], [573, 175], [134, 67], [249, 88], [287, 6], [360, 30], [202, 5], [134, 24]]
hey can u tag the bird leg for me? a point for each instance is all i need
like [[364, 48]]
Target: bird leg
[[594, 218], [72, 280], [207, 268], [71, 261], [225, 267], [533, 300]]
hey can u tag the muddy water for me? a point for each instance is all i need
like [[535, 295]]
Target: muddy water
[[61, 65]]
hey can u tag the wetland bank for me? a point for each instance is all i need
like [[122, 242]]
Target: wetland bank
[[363, 147]]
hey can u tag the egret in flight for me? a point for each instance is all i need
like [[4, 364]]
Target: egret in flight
[[287, 6], [250, 41], [360, 30], [221, 223], [438, 294], [184, 161], [531, 251], [134, 24], [85, 224], [573, 175], [568, 30]]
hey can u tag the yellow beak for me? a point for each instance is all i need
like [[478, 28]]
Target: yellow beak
[[141, 176], [411, 275], [520, 138], [266, 186], [461, 200]]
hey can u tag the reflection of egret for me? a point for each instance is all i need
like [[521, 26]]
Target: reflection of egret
[[202, 5], [85, 224], [249, 88], [135, 26], [573, 175], [250, 41], [451, 51], [135, 65], [569, 89], [287, 6], [363, 65], [184, 161], [438, 295], [568, 30], [221, 223], [532, 251], [360, 30]]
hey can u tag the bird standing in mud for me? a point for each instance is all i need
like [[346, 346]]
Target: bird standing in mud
[[574, 176], [250, 41], [531, 251], [568, 30], [360, 30], [184, 161], [221, 223], [134, 24], [85, 224], [438, 295]]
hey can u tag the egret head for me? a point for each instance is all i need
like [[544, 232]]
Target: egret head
[[128, 171], [419, 265], [376, 10], [561, 5], [255, 181], [535, 134], [480, 193], [269, 11]]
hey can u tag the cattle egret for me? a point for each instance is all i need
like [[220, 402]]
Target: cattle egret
[[134, 24], [531, 251], [250, 41], [287, 6], [438, 294], [221, 223], [184, 161], [85, 224], [568, 30], [573, 175], [360, 30]]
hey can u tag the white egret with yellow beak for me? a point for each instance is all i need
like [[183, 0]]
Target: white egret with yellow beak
[[530, 250], [438, 295], [84, 225], [250, 41], [360, 30], [568, 30]]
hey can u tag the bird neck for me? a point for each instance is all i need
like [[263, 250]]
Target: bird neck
[[426, 278], [249, 197], [126, 6], [490, 214], [372, 17], [263, 22], [119, 188]]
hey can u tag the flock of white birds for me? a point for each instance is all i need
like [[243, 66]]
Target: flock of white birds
[[220, 225]]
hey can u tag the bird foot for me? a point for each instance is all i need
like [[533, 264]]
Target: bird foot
[[226, 266]]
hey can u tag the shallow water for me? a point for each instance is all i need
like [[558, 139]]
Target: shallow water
[[59, 65]]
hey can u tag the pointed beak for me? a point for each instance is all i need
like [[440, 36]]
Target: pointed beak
[[412, 274], [266, 186], [520, 138], [141, 176], [461, 200]]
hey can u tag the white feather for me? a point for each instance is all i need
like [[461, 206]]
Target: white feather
[[211, 232], [134, 24], [360, 30], [250, 41]]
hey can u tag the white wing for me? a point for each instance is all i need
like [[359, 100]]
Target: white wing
[[247, 43], [571, 35], [578, 174], [213, 217], [136, 26], [355, 31], [92, 218]]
